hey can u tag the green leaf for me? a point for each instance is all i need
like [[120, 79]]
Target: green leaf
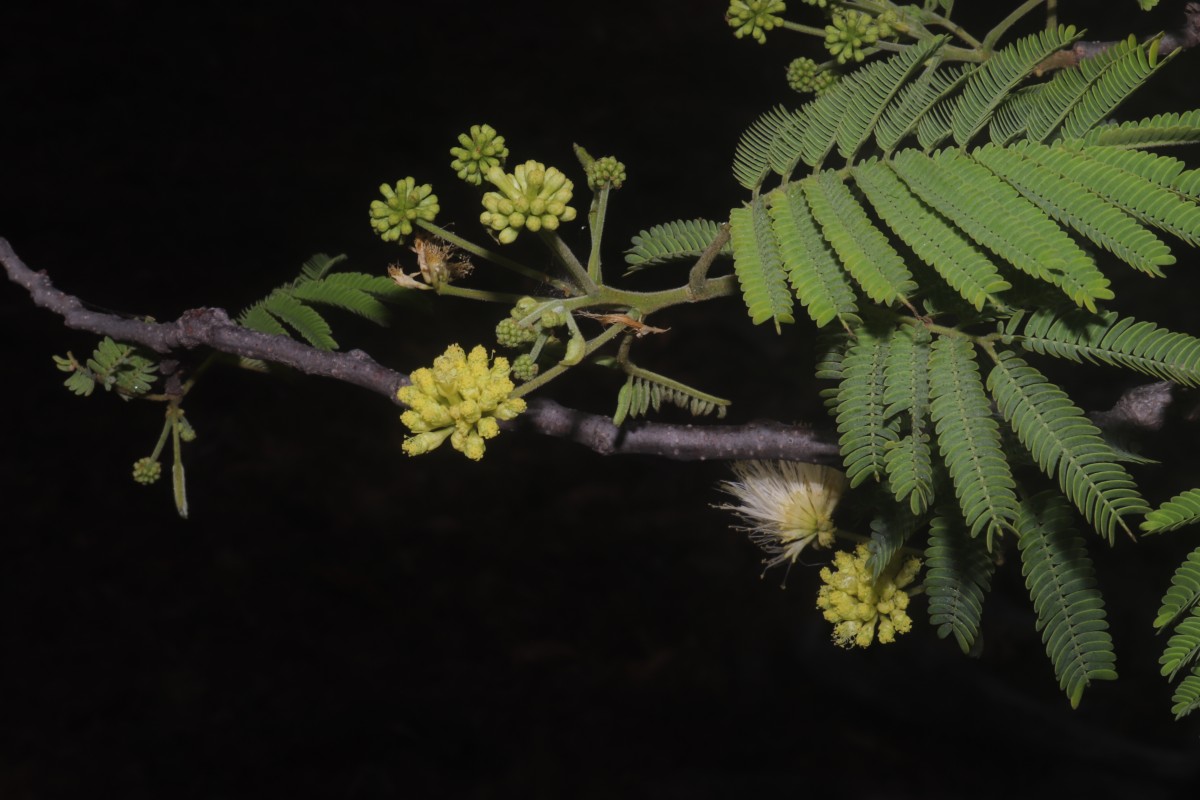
[[819, 281], [1062, 584], [672, 241], [969, 439], [942, 246], [1065, 444], [958, 574], [759, 266], [861, 413], [1178, 512], [864, 251]]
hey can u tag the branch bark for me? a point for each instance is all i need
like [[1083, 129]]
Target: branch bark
[[212, 328]]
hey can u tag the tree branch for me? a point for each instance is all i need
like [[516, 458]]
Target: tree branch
[[212, 328], [1181, 38]]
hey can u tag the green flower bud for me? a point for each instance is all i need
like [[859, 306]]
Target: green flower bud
[[524, 368], [186, 432], [754, 17], [849, 34], [532, 196], [392, 218], [146, 470], [553, 318], [481, 150], [606, 171], [511, 334], [523, 307]]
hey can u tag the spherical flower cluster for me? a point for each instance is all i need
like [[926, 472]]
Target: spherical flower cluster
[[481, 150], [461, 398], [606, 171], [146, 470], [392, 217], [532, 196], [806, 75], [786, 506], [890, 24], [754, 17], [861, 608], [511, 334], [524, 368], [848, 35]]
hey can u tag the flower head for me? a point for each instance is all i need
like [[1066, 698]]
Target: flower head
[[462, 398], [786, 506], [754, 17], [861, 607], [532, 196], [606, 171], [481, 150], [393, 216], [849, 34]]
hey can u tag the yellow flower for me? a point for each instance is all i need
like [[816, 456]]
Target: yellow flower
[[462, 398], [786, 506], [862, 608]]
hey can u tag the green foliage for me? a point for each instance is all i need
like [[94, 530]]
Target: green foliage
[[759, 266], [1180, 511], [1065, 444], [672, 241], [112, 365], [969, 439], [958, 575], [861, 413], [291, 304], [1109, 338], [644, 390], [1183, 648], [1062, 583]]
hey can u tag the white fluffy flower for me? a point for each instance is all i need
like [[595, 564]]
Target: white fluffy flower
[[786, 505]]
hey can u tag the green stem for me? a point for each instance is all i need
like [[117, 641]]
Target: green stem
[[496, 258], [995, 33], [698, 275], [798, 28], [558, 248], [558, 369], [943, 22], [449, 290], [596, 223]]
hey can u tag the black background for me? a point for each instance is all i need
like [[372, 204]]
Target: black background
[[337, 620]]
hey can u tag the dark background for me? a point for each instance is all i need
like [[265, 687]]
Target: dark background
[[337, 620]]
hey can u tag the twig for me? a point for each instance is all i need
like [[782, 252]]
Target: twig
[[212, 328]]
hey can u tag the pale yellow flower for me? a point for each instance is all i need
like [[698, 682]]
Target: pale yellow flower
[[786, 505]]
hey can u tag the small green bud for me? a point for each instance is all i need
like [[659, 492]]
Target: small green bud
[[511, 334], [606, 171], [146, 470], [392, 217], [186, 432], [524, 368], [481, 150], [754, 17], [523, 307], [850, 33], [553, 318]]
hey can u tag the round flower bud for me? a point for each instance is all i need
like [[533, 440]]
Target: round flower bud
[[754, 17], [511, 334], [146, 470], [850, 33], [524, 368], [393, 216], [481, 150], [605, 171], [532, 196]]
